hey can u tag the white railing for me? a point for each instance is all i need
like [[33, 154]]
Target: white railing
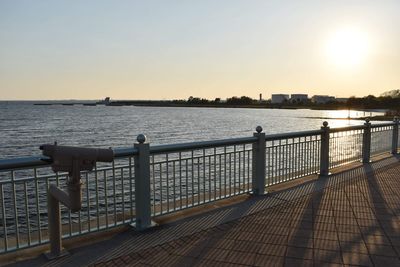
[[144, 182]]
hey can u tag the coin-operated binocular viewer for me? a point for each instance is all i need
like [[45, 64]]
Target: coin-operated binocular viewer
[[72, 160]]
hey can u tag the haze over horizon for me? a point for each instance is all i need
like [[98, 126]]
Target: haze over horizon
[[176, 49]]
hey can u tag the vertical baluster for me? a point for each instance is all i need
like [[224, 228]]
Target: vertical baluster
[[209, 178], [239, 171], [131, 189], [198, 181], [96, 178], [192, 169], [187, 182], [225, 168], [28, 223], [215, 173], [105, 197], [88, 200], [114, 193], [230, 173], [167, 179], [180, 179], [248, 170], [3, 216], [244, 168], [295, 160], [220, 175], [161, 188], [123, 192], [272, 161], [174, 183], [14, 200], [204, 175], [37, 205], [234, 171]]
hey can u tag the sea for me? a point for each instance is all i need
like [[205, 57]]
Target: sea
[[25, 126]]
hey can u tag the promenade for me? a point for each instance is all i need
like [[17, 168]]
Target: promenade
[[348, 218]]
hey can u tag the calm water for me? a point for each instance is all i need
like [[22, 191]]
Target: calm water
[[23, 126]]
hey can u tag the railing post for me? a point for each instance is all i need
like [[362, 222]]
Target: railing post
[[395, 138], [366, 145], [258, 168], [324, 159], [142, 184]]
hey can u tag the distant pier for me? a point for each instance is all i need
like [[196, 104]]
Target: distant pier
[[66, 104]]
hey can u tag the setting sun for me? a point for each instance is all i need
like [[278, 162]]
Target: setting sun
[[347, 47]]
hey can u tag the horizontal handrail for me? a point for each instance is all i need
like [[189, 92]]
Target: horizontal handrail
[[125, 152], [42, 161], [26, 162], [272, 137], [202, 144], [382, 124], [347, 128]]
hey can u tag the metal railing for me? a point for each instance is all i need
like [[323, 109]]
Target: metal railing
[[144, 182]]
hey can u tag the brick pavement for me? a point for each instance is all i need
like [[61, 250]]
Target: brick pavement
[[353, 223]]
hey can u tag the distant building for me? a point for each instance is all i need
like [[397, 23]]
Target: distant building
[[279, 98], [106, 101], [322, 99], [341, 99], [299, 98]]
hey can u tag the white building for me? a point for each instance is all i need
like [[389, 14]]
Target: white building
[[279, 98], [322, 99], [299, 98]]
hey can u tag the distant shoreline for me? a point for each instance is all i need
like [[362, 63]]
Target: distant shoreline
[[252, 106], [335, 106], [372, 118], [160, 103]]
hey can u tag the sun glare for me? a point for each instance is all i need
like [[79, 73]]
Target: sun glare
[[347, 47]]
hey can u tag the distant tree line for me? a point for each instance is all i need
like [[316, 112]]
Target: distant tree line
[[243, 100], [388, 100]]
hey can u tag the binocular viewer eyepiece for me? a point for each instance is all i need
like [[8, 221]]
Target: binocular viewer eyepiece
[[66, 158]]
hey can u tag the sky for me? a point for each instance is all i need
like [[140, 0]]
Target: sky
[[177, 48]]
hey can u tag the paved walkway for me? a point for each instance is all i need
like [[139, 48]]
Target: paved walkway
[[351, 218]]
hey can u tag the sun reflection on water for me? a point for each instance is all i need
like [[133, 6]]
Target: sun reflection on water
[[342, 118]]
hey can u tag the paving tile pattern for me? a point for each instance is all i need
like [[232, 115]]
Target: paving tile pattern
[[354, 223]]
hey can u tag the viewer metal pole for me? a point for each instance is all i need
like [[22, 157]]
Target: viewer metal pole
[[142, 184], [366, 145], [54, 216], [395, 138], [324, 160], [259, 164]]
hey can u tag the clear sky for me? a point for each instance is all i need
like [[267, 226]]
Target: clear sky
[[207, 48]]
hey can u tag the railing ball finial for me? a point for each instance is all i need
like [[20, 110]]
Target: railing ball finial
[[325, 124], [141, 138], [259, 129], [396, 119], [367, 120]]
